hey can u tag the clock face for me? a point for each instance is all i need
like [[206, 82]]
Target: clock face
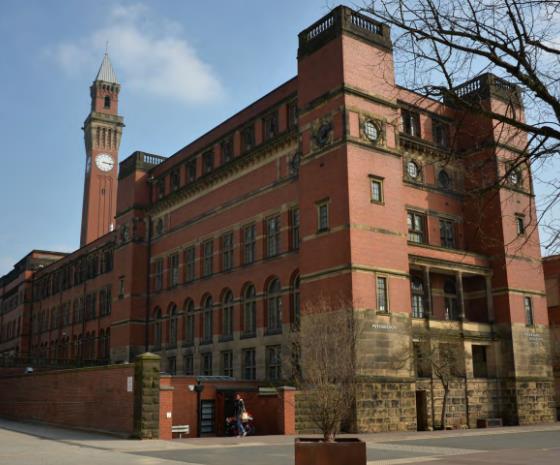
[[104, 162]]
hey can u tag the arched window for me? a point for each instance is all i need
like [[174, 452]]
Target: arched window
[[189, 321], [417, 288], [173, 325], [249, 311], [157, 329], [450, 299], [227, 315], [107, 101], [274, 306], [207, 320], [295, 301]]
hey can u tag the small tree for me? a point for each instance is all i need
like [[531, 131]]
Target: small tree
[[443, 362], [325, 361]]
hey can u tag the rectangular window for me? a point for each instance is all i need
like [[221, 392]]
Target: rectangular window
[[160, 188], [121, 288], [440, 133], [273, 236], [173, 270], [208, 161], [447, 233], [382, 301], [270, 125], [480, 365], [528, 304], [249, 243], [227, 149], [158, 282], [410, 122], [323, 216], [227, 363], [294, 228], [520, 224], [188, 364], [207, 257], [292, 114], [249, 364], [422, 360], [206, 364], [377, 190], [416, 227], [247, 138], [191, 171], [175, 180], [172, 365], [227, 251], [189, 264], [273, 363], [109, 302]]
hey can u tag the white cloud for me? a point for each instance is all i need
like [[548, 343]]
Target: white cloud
[[149, 54]]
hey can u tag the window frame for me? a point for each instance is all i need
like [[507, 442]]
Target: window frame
[[384, 301], [273, 226], [274, 307], [323, 206], [207, 247], [249, 243], [376, 180], [447, 233], [190, 263], [274, 364], [249, 371], [411, 122], [520, 227], [528, 311], [227, 242], [412, 227], [226, 369]]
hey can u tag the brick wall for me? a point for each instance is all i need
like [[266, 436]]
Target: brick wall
[[88, 398]]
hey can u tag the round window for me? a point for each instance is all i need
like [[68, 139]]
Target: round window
[[514, 177], [443, 179], [323, 134], [371, 131], [412, 170]]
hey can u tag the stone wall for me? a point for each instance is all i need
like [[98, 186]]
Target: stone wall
[[386, 406]]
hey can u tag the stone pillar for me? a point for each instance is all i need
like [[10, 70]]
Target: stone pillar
[[428, 312], [287, 410], [146, 396], [489, 300], [460, 296]]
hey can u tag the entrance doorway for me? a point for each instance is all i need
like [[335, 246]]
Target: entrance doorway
[[421, 411]]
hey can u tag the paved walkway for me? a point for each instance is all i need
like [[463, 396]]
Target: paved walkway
[[32, 444]]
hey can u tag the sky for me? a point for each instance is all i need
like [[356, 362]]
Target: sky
[[184, 66]]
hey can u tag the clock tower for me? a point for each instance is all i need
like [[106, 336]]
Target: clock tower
[[102, 134]]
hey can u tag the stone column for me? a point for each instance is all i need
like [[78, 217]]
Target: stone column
[[428, 312], [460, 296], [489, 299], [146, 396]]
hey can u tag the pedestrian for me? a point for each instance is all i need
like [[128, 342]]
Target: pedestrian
[[238, 411]]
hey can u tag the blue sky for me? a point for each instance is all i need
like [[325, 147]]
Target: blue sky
[[184, 67]]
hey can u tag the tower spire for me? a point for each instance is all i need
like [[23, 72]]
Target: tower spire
[[106, 72]]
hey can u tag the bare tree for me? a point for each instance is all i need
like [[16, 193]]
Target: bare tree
[[326, 361], [442, 361], [440, 44]]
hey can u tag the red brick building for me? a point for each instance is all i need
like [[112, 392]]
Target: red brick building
[[338, 181]]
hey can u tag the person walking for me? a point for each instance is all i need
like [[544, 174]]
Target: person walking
[[238, 411]]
